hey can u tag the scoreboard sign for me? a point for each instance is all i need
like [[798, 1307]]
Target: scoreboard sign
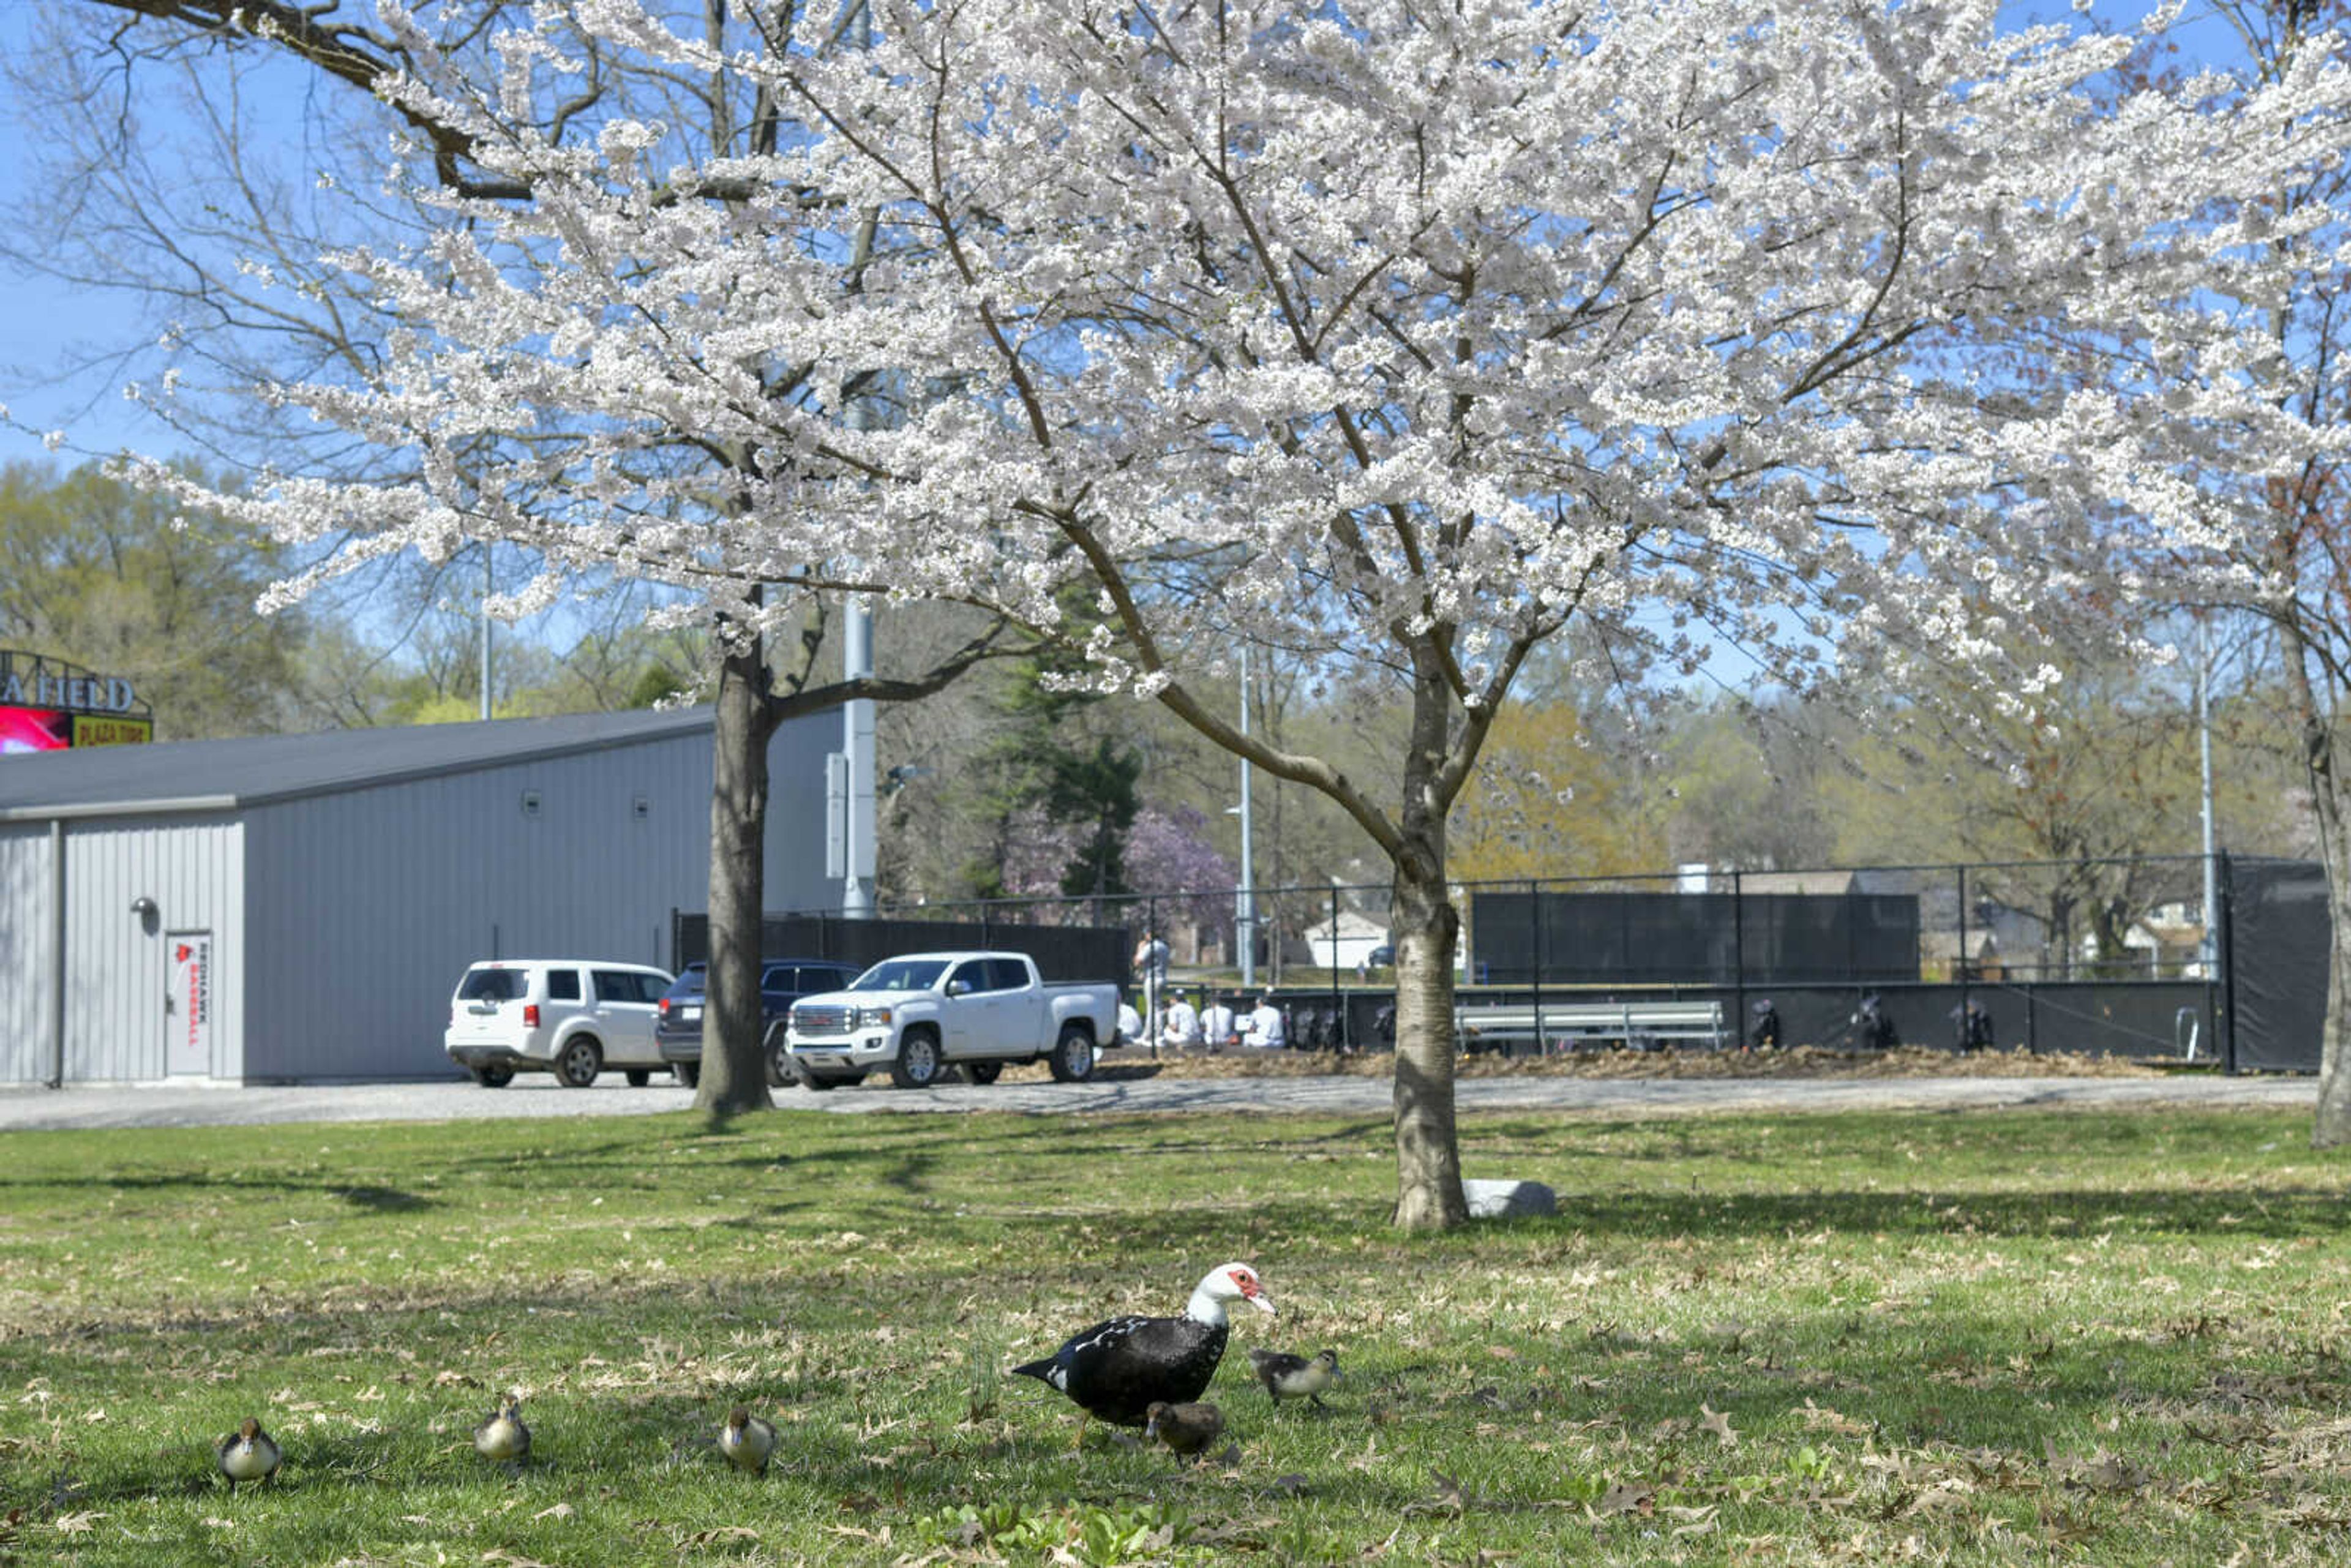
[[48, 705]]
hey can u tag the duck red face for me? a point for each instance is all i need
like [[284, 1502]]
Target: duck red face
[[1245, 1280]]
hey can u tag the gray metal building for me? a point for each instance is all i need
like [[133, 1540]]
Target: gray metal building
[[300, 908]]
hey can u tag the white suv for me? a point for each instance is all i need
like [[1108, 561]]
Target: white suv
[[571, 1016]]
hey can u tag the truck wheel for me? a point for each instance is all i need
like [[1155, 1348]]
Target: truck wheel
[[917, 1066], [494, 1077], [688, 1073], [639, 1077], [578, 1063], [983, 1071], [1073, 1060], [780, 1059]]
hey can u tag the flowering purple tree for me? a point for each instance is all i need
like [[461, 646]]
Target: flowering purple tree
[[1165, 856], [1400, 337], [1168, 858]]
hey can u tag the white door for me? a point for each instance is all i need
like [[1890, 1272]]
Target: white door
[[627, 1003], [967, 1011], [188, 1004]]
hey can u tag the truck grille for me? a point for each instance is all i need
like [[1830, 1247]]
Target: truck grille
[[807, 1021]]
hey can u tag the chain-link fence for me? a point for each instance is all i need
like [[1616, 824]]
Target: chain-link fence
[[2115, 956]]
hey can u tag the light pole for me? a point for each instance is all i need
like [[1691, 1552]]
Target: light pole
[[1245, 904], [489, 586], [2210, 943]]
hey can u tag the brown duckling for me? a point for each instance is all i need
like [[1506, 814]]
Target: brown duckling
[[1187, 1428], [747, 1440], [247, 1454], [1287, 1375]]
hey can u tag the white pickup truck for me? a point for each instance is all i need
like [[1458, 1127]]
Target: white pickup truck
[[919, 1014]]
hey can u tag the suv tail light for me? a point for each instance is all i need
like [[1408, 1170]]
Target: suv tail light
[[665, 1006], [530, 1015]]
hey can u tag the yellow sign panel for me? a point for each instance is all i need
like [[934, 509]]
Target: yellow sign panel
[[101, 730]]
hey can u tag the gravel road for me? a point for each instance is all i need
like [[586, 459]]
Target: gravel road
[[172, 1105]]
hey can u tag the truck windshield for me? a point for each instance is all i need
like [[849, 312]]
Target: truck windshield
[[901, 974]]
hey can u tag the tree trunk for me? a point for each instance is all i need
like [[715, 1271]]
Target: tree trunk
[[2332, 1126], [734, 1073], [1426, 929]]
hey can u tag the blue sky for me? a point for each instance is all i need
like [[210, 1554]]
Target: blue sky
[[48, 328]]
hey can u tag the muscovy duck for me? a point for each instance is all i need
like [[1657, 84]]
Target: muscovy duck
[[1284, 1373], [503, 1440], [1188, 1428], [747, 1440], [1117, 1371], [247, 1454]]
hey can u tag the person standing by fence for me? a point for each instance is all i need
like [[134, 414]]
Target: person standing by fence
[[1151, 966]]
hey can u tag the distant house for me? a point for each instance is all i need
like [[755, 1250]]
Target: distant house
[[1345, 943], [1939, 952], [300, 908], [1815, 883], [2168, 940]]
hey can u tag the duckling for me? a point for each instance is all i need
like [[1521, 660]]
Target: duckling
[[502, 1438], [1188, 1428], [247, 1454], [747, 1440], [1284, 1373]]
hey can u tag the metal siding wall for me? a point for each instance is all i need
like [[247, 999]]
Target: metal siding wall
[[795, 871], [117, 970], [25, 964], [367, 905]]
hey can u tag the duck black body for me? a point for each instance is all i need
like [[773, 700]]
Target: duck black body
[[1116, 1370]]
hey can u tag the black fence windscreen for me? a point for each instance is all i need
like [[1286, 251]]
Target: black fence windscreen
[[2279, 937], [1685, 938], [1060, 952], [2111, 956]]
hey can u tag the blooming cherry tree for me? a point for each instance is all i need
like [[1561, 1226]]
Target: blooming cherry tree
[[1402, 337]]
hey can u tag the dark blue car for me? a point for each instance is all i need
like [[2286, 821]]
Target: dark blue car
[[782, 982]]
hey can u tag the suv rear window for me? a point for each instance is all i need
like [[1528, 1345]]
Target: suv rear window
[[493, 985]]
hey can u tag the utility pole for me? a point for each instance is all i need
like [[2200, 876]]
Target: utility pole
[[489, 585], [2204, 748], [856, 31], [857, 751], [1245, 905]]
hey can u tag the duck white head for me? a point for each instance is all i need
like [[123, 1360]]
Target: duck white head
[[1225, 1282]]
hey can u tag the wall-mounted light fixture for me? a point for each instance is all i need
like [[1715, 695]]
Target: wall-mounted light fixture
[[143, 908]]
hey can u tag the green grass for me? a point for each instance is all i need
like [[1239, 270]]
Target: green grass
[[2010, 1338]]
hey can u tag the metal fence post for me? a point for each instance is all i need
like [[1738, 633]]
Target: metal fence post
[[1967, 1035], [2228, 960], [1739, 957], [1535, 963]]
